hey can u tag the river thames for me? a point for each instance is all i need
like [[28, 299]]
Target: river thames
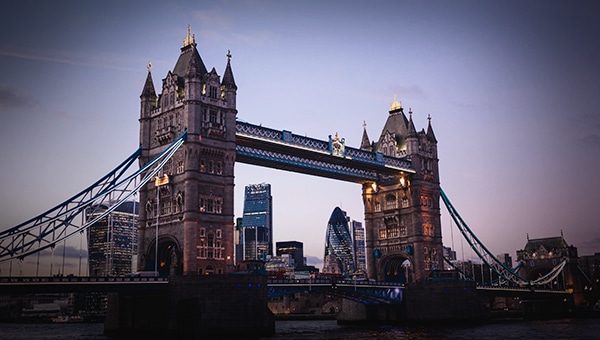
[[328, 329]]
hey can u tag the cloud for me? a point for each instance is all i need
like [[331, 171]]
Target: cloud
[[108, 61], [314, 261], [70, 252], [10, 98], [403, 91]]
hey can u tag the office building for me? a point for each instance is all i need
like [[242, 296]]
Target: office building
[[294, 248], [113, 240], [339, 254], [257, 222]]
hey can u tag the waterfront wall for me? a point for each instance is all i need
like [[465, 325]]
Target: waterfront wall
[[453, 301], [193, 307]]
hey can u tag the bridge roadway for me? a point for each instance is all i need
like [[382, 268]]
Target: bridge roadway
[[80, 284], [364, 291]]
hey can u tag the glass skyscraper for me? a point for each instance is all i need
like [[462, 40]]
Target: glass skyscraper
[[358, 236], [257, 222], [339, 254], [112, 241]]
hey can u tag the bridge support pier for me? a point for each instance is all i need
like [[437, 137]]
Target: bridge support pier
[[194, 307], [454, 301], [355, 312]]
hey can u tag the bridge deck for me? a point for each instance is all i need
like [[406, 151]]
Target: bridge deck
[[283, 150]]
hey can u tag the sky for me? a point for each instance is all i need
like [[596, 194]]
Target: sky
[[511, 87]]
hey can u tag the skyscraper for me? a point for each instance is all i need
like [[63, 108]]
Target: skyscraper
[[358, 236], [338, 245], [112, 241], [293, 248], [257, 222]]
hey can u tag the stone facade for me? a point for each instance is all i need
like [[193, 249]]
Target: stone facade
[[402, 213], [191, 204]]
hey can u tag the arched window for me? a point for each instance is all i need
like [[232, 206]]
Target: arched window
[[390, 202]]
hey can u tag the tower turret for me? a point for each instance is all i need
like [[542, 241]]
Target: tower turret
[[228, 87], [365, 143], [412, 139]]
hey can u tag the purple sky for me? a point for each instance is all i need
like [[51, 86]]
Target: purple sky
[[511, 87]]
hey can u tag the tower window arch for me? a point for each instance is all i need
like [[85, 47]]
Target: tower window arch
[[390, 201]]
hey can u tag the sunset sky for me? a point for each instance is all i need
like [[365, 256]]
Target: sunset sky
[[512, 88]]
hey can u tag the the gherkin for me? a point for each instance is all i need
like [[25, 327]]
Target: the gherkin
[[338, 245]]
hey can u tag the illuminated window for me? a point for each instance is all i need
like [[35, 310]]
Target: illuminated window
[[219, 168], [211, 167], [202, 204], [404, 202], [382, 233], [390, 202], [377, 206], [202, 167], [179, 167]]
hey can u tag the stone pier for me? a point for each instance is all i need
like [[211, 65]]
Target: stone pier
[[193, 307]]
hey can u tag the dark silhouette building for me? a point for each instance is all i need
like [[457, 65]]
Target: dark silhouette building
[[294, 248]]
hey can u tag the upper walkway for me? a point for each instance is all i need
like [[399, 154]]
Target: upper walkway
[[284, 150]]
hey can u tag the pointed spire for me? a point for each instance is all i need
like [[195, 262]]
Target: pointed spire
[[365, 144], [412, 131], [148, 91], [430, 134], [228, 79]]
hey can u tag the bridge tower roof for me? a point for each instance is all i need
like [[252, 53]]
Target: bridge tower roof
[[189, 55]]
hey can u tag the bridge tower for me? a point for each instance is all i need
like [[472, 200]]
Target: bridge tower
[[186, 214], [402, 213]]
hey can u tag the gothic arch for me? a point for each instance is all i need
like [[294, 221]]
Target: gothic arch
[[170, 256], [396, 268]]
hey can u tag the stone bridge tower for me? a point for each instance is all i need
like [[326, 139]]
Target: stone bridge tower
[[402, 213], [190, 203]]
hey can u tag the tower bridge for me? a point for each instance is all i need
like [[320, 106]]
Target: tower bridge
[[190, 141]]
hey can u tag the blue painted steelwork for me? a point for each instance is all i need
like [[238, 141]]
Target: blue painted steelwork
[[367, 292], [490, 260], [59, 223], [263, 146]]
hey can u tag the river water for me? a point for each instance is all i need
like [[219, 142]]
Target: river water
[[328, 329]]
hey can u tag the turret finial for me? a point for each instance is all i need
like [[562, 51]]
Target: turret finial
[[429, 118], [396, 105], [364, 124], [228, 55], [189, 39], [149, 66]]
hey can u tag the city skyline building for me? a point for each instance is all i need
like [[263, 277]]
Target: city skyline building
[[257, 222], [113, 240], [338, 245], [294, 248], [358, 242]]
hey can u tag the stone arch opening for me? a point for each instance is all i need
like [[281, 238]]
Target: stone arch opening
[[397, 268], [170, 258], [536, 272]]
